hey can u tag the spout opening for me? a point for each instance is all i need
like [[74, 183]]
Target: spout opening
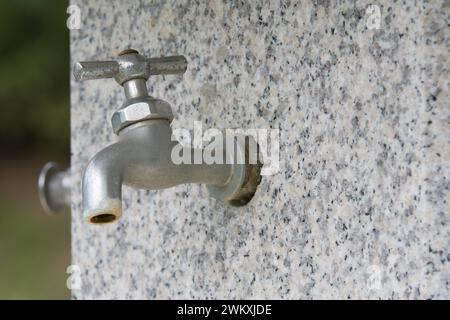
[[109, 211], [103, 218]]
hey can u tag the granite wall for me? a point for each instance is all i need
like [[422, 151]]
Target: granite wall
[[360, 205]]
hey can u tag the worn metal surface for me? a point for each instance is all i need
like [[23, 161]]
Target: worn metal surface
[[142, 159], [140, 109], [129, 65], [142, 156], [131, 70]]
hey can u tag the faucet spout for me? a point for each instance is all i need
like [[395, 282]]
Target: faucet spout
[[102, 186], [142, 159]]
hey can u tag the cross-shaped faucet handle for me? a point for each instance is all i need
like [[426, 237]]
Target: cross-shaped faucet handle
[[129, 65]]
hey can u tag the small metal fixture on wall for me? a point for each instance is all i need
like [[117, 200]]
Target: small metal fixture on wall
[[142, 157], [54, 188]]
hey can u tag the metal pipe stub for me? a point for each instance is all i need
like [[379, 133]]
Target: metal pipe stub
[[54, 188], [246, 172]]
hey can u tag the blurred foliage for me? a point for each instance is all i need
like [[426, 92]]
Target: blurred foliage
[[34, 253], [34, 128], [34, 77]]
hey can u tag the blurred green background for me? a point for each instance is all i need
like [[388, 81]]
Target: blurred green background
[[34, 128]]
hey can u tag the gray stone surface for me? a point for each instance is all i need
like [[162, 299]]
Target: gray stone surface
[[360, 207]]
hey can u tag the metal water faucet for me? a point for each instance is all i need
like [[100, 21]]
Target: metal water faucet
[[141, 158]]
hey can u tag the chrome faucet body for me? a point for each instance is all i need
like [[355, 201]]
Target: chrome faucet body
[[142, 157]]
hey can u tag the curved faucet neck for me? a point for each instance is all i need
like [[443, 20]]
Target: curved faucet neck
[[142, 158]]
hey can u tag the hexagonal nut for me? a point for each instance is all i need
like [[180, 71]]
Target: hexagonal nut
[[140, 109]]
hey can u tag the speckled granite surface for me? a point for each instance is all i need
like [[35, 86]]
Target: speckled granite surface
[[360, 207]]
